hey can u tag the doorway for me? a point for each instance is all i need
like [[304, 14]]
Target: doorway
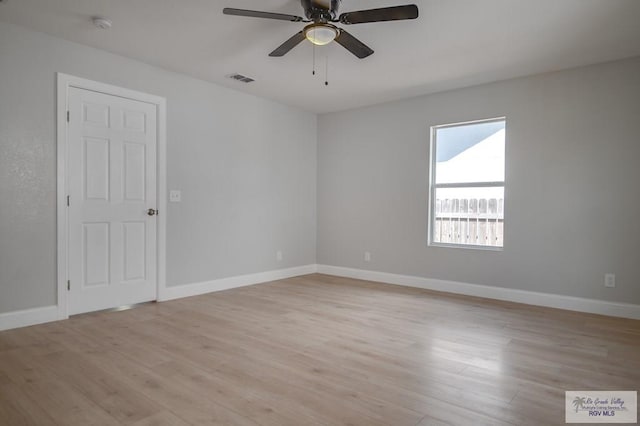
[[112, 140]]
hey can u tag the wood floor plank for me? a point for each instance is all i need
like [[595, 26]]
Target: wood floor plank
[[60, 399], [187, 403], [112, 394], [317, 350], [161, 418], [18, 409]]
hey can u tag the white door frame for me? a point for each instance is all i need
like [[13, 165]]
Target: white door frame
[[64, 82]]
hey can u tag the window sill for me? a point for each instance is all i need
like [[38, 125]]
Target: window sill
[[466, 246]]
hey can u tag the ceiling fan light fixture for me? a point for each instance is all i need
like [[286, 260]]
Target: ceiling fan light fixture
[[321, 34]]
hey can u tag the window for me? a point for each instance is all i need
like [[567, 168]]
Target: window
[[467, 184]]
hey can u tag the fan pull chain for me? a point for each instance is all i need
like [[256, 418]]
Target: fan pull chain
[[326, 72], [314, 59]]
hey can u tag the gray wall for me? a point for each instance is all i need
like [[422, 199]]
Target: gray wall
[[572, 184], [247, 170], [246, 167]]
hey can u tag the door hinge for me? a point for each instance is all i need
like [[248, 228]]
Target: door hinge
[[68, 200], [68, 285], [68, 116]]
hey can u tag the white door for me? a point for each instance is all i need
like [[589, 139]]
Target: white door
[[112, 185]]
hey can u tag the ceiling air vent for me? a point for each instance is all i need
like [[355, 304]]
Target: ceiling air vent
[[241, 78]]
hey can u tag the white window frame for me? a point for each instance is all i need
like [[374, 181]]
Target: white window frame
[[433, 186]]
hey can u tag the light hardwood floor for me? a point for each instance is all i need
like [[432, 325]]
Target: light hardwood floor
[[314, 350]]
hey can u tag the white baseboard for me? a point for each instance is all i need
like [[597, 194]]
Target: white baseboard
[[170, 293], [616, 309], [35, 316], [28, 317]]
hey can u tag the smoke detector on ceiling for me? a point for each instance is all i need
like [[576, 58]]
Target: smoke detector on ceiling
[[102, 23]]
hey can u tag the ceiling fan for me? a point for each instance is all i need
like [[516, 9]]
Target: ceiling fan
[[322, 14]]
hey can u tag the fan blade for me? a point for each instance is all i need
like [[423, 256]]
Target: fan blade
[[288, 45], [394, 13], [353, 45], [258, 14]]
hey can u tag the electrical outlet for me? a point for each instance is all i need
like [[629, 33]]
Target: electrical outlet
[[175, 196], [279, 255], [367, 256], [610, 280]]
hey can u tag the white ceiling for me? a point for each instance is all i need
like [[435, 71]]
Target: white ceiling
[[454, 43]]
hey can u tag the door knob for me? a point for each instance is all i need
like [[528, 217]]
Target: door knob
[[152, 212]]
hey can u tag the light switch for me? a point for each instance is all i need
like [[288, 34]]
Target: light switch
[[175, 196]]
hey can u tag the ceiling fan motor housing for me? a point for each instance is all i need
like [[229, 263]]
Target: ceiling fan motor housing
[[321, 10]]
